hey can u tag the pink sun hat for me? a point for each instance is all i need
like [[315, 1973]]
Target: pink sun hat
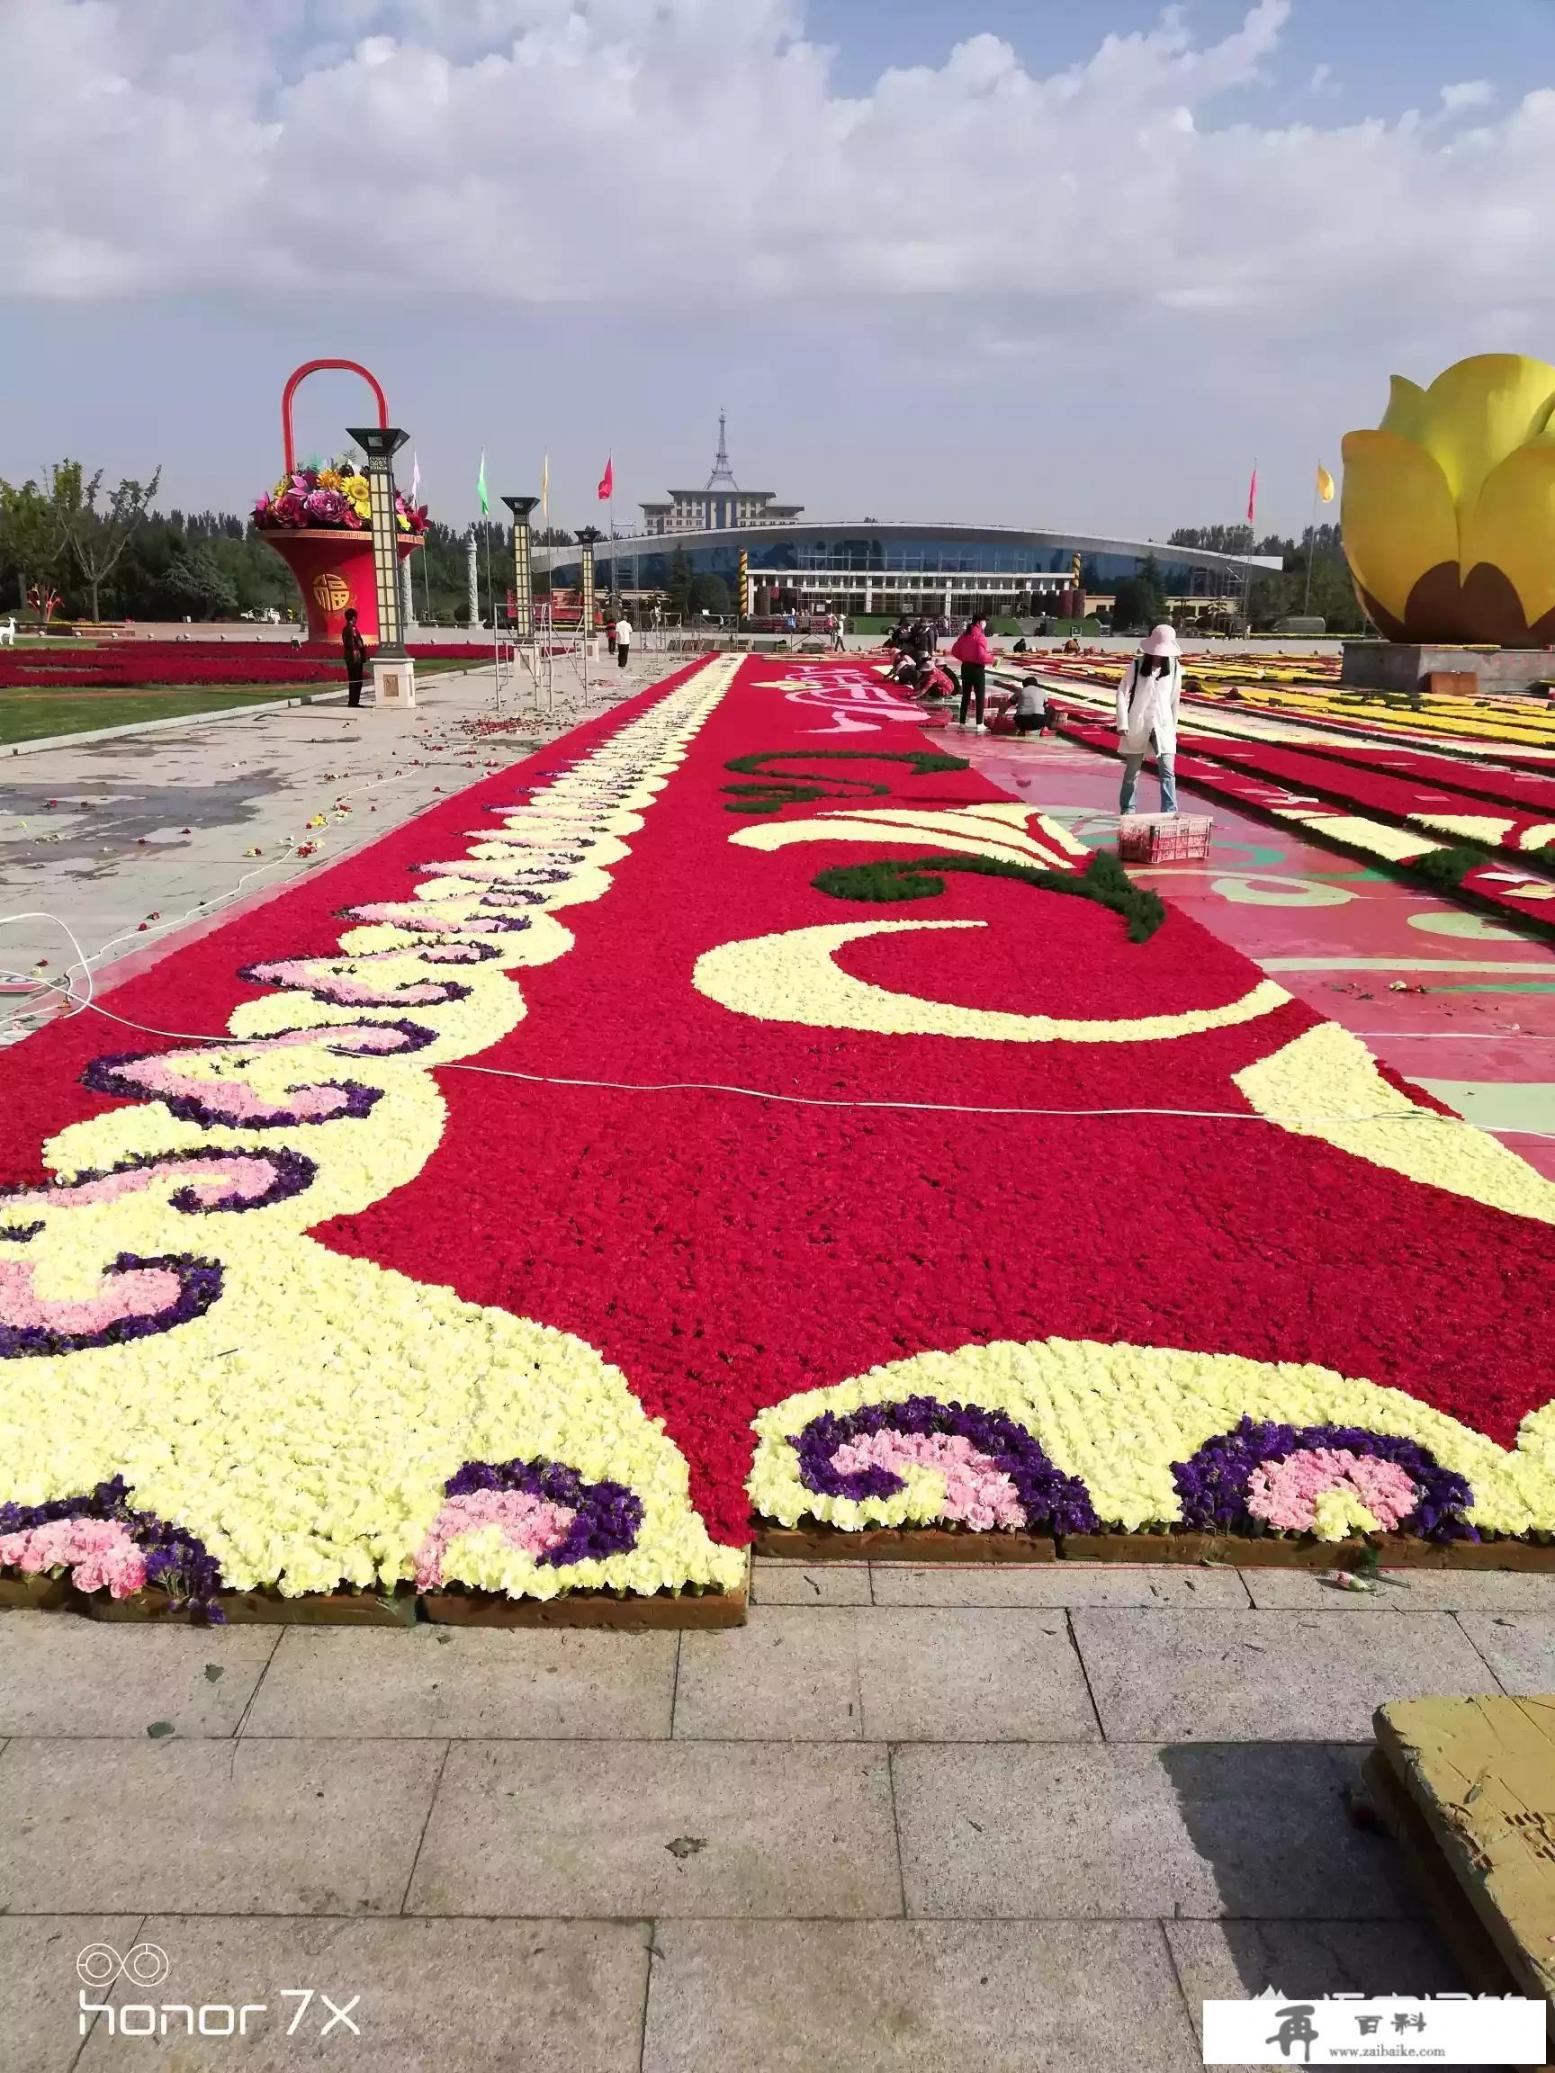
[[1162, 640]]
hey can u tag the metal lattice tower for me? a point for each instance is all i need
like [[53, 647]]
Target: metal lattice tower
[[722, 476]]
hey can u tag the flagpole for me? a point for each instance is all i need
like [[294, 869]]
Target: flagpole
[[491, 599], [1252, 534], [1306, 605]]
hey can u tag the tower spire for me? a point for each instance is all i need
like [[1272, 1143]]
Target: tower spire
[[722, 476]]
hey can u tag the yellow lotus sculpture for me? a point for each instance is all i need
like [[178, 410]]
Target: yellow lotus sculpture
[[1449, 507]]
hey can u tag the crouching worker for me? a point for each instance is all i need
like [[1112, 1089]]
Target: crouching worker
[[1030, 707]]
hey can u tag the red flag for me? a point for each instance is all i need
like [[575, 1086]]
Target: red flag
[[607, 481], [1252, 496]]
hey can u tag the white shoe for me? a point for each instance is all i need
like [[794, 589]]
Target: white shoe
[[980, 728]]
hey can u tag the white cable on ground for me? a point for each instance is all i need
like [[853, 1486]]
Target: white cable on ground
[[949, 1108]]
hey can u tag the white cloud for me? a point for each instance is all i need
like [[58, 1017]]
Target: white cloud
[[1468, 93], [655, 150]]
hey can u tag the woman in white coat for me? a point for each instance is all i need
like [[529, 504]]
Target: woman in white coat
[[1148, 697]]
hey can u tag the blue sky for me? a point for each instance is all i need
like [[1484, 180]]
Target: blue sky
[[1041, 279], [1385, 55]]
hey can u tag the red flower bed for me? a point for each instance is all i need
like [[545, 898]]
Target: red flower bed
[[1533, 793], [133, 665], [979, 1114], [1398, 796]]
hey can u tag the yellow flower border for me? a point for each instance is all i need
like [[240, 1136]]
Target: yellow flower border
[[304, 1427]]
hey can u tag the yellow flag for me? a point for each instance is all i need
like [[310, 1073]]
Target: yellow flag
[[545, 489], [1325, 484]]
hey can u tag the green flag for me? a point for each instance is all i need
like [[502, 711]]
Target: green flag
[[480, 487]]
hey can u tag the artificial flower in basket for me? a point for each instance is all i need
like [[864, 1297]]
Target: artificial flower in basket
[[334, 497]]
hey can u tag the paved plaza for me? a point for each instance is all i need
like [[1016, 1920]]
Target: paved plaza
[[131, 837], [991, 1819]]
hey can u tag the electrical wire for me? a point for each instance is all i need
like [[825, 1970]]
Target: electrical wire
[[949, 1108]]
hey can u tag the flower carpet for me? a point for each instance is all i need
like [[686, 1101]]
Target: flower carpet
[[736, 1113], [1530, 793], [1518, 732], [1453, 865], [1435, 805]]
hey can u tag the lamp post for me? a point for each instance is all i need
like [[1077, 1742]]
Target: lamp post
[[523, 573], [588, 537], [394, 674]]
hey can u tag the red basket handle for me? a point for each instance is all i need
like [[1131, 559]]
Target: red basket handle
[[299, 376]]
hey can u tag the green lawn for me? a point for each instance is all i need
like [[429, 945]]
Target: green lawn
[[34, 715], [31, 715]]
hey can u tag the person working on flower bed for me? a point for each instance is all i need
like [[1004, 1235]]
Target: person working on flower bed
[[1030, 707], [1148, 697], [972, 651], [354, 649]]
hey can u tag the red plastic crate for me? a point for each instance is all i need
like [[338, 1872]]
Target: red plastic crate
[[1163, 838]]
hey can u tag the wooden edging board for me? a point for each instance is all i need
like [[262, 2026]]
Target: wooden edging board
[[920, 1544], [1468, 1785], [1484, 1969], [900, 1544], [674, 1610]]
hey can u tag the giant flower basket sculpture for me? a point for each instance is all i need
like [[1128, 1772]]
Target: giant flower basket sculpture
[[1449, 506], [318, 520]]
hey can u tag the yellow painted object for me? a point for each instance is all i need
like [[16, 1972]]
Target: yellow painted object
[[1481, 1774], [1449, 506]]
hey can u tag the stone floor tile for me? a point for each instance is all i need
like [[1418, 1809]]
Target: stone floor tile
[[477, 1681], [586, 1828], [212, 1827], [1125, 1831], [66, 1676], [436, 1997], [972, 1675], [40, 2015], [1272, 1676], [791, 1675], [820, 1583], [1230, 1961], [1055, 1584], [1406, 1590], [1520, 1649], [915, 1997]]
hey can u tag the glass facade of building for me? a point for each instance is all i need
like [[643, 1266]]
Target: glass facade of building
[[875, 569]]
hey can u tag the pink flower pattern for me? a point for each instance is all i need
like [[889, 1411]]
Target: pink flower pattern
[[977, 1493], [1285, 1493], [99, 1554], [531, 1524], [137, 1292]]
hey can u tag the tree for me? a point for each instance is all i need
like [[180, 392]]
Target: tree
[[195, 583], [709, 594], [98, 538], [1137, 600], [678, 589], [34, 532]]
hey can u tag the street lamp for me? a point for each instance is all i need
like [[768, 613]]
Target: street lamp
[[394, 674], [588, 537], [523, 573]]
